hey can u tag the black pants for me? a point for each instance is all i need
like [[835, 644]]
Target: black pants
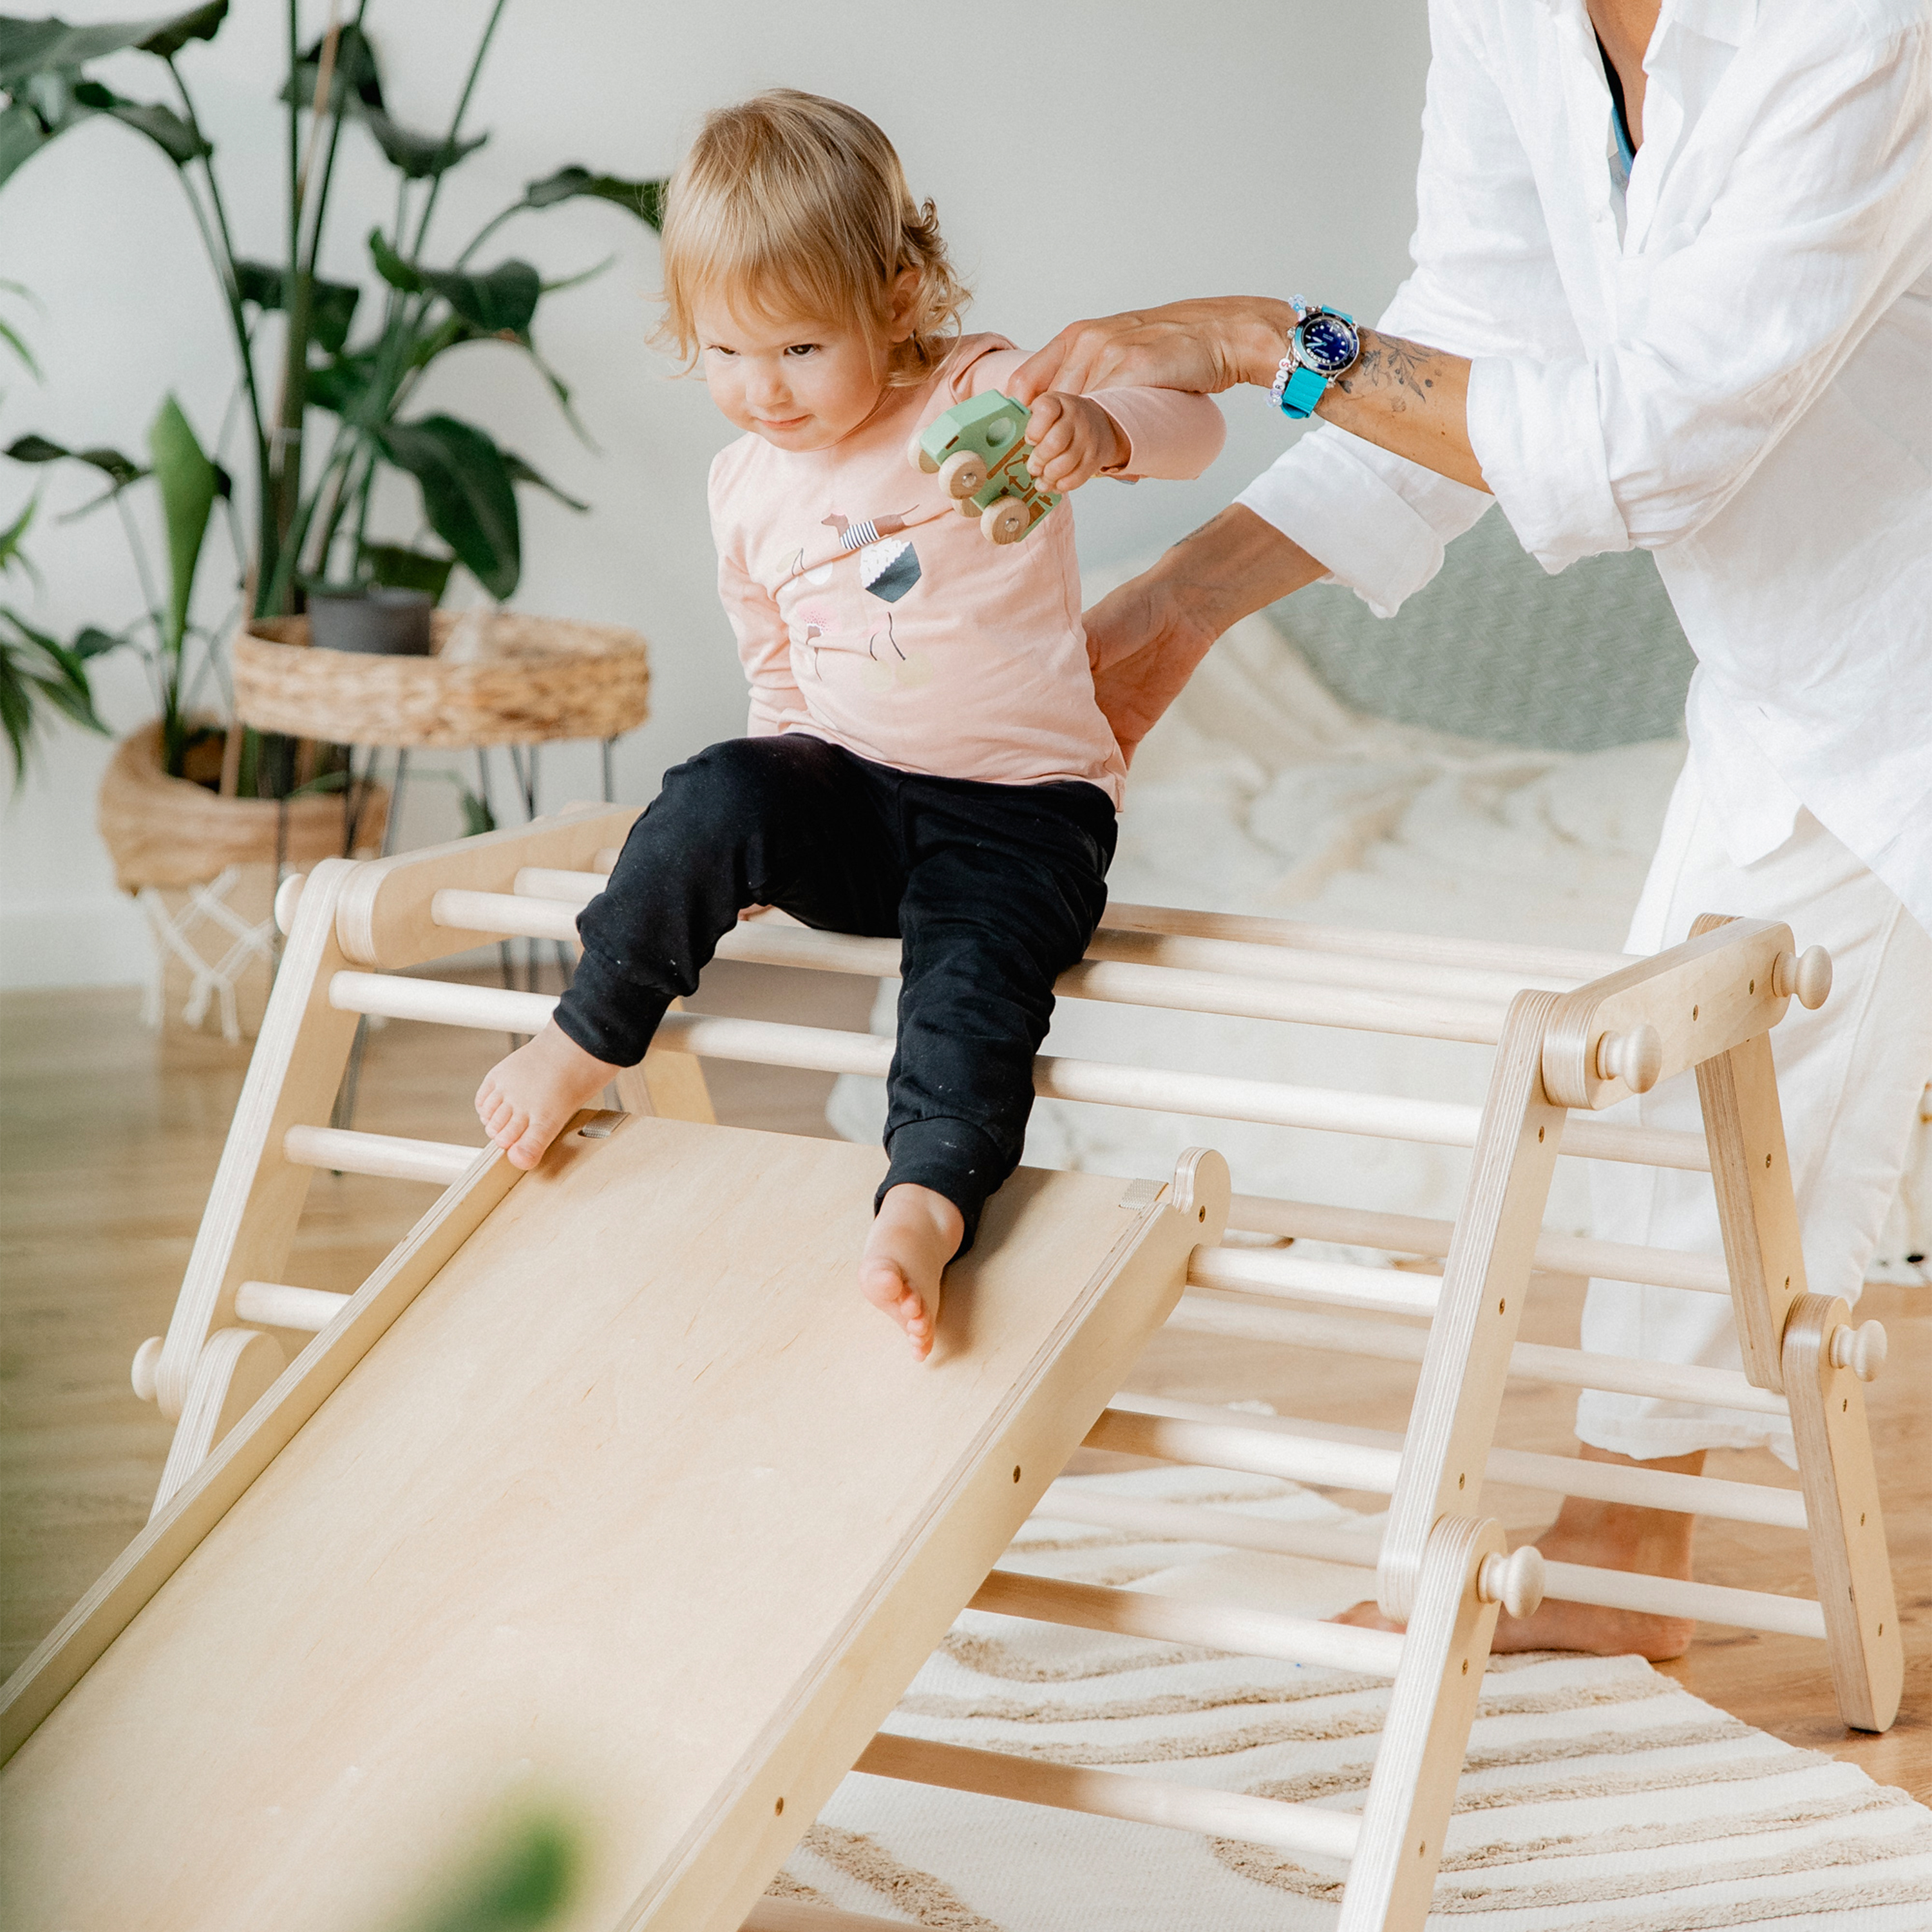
[[994, 890]]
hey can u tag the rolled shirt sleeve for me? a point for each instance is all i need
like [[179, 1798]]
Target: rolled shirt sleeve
[[1485, 275], [1727, 340], [1713, 339]]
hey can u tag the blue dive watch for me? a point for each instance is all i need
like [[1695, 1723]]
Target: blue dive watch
[[1326, 344]]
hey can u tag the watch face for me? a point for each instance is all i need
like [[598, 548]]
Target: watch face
[[1328, 343]]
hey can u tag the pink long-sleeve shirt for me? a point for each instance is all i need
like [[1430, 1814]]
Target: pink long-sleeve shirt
[[869, 612]]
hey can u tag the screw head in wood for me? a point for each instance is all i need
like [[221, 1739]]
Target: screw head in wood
[[1635, 1057], [1861, 1349], [1807, 974]]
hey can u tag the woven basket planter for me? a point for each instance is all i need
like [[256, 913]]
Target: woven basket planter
[[508, 680], [162, 831], [203, 869]]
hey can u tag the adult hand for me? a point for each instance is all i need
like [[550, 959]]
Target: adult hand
[[1204, 346], [1144, 643], [1144, 639]]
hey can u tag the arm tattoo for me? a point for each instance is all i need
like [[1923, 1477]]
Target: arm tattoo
[[1390, 364]]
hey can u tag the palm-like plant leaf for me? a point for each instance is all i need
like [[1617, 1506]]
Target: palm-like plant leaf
[[521, 472], [466, 494], [418, 156], [34, 47], [187, 484], [357, 78], [119, 469], [499, 301], [643, 199], [36, 671], [331, 304]]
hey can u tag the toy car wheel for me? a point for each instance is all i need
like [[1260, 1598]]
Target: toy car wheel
[[962, 473], [1006, 520], [915, 453]]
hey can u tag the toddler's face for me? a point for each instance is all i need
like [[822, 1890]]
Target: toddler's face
[[799, 384]]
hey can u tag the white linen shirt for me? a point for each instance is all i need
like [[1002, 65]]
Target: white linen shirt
[[1729, 363]]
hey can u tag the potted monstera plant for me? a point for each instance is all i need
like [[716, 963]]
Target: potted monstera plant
[[328, 401]]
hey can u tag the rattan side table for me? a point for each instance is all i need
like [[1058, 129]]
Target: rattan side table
[[492, 679]]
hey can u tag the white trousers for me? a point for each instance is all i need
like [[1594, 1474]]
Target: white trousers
[[1850, 1077]]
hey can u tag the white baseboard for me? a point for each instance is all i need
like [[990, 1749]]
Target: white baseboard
[[102, 940]]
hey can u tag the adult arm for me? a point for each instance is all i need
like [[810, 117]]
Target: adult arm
[[1145, 639], [1408, 398], [1825, 220], [1823, 223]]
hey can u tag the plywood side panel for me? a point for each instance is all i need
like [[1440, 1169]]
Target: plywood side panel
[[620, 1516]]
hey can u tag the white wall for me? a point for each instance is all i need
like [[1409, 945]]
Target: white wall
[[1086, 155]]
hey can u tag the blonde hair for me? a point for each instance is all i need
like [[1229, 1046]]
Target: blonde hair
[[790, 204]]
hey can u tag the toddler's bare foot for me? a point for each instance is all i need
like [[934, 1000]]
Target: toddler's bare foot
[[525, 1100], [914, 1234]]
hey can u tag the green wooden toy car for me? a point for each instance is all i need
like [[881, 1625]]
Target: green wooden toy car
[[978, 449]]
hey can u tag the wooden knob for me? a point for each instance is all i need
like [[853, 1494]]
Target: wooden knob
[[1807, 974], [1635, 1057], [916, 453], [1861, 1349], [962, 473], [1514, 1581], [287, 894], [147, 1365]]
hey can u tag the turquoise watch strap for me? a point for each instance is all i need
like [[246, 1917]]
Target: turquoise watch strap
[[1302, 391]]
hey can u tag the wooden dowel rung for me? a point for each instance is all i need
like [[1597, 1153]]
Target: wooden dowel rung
[[548, 882], [765, 942], [1294, 1459], [1197, 1523], [1164, 985], [1101, 1083], [1183, 1620], [399, 996], [823, 1049], [1530, 1361], [1412, 1234], [1284, 964], [1105, 1083], [344, 1151], [512, 916], [1522, 1468], [276, 1304], [1346, 1284], [1114, 1794], [1672, 1597], [1484, 955]]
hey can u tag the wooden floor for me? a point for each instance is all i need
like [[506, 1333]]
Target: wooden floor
[[109, 1140]]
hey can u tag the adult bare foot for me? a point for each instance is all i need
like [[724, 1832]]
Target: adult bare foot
[[525, 1099], [1605, 1536], [914, 1234]]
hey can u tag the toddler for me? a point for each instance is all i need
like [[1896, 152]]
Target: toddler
[[925, 759]]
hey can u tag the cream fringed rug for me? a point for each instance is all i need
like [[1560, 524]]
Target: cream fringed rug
[[1598, 1795]]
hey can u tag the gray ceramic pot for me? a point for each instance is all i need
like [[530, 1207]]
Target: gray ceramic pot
[[379, 620]]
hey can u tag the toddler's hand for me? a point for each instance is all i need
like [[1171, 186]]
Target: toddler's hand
[[1073, 438]]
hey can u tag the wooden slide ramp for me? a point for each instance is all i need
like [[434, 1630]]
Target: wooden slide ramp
[[634, 1510]]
